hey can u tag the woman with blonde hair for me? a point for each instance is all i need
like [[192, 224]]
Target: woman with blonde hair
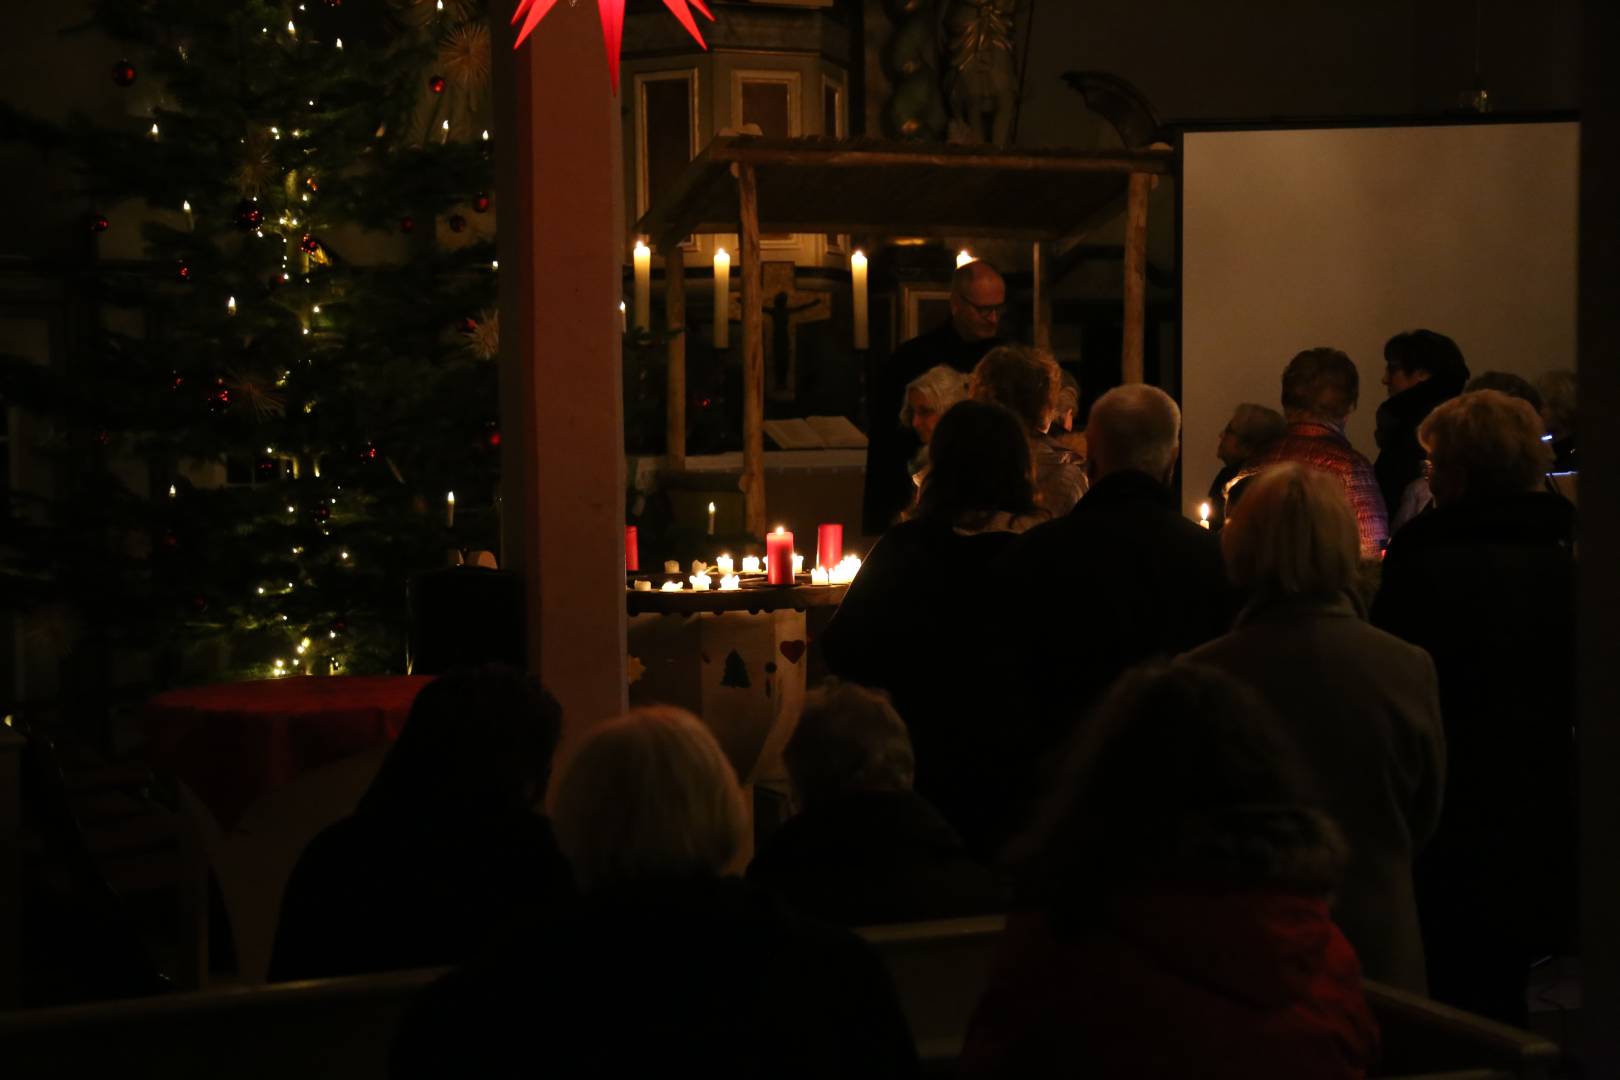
[[1028, 381], [672, 964], [1362, 705]]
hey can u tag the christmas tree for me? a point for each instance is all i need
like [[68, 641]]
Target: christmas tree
[[254, 445]]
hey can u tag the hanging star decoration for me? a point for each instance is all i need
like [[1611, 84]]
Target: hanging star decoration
[[530, 12]]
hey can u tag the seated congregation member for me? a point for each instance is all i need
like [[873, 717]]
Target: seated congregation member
[[910, 622], [1173, 920], [1121, 579], [671, 966], [1363, 706], [1422, 368], [863, 848], [1251, 429], [1485, 582], [928, 397], [1320, 388], [447, 844], [1028, 381]]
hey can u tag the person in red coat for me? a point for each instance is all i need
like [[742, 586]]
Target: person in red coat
[[1175, 916]]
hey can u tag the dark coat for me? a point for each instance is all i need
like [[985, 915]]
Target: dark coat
[[383, 892], [1400, 455], [1488, 589], [670, 978], [1364, 707], [891, 447], [872, 857]]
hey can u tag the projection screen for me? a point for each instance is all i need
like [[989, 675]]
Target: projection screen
[[1344, 236]]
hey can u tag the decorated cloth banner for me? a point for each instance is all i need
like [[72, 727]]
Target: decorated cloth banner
[[532, 11]]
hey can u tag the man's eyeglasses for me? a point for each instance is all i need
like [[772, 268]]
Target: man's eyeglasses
[[987, 311]]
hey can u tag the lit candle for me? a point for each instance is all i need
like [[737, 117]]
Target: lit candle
[[963, 258], [798, 564], [643, 265], [1203, 514], [185, 208], [632, 551], [230, 305], [829, 544], [624, 317], [750, 564], [857, 284], [700, 582], [711, 519], [820, 576], [172, 492], [779, 557], [643, 585], [449, 509], [730, 583], [845, 571], [722, 298], [723, 564], [670, 586]]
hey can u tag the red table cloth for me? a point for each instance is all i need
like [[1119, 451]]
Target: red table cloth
[[234, 743]]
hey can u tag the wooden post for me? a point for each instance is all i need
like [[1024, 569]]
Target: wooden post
[[675, 377], [11, 929], [1041, 270], [1130, 365], [753, 317], [560, 238]]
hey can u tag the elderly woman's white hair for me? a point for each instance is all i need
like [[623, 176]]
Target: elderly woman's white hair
[[1134, 426], [648, 795], [941, 386], [1483, 444], [1294, 534]]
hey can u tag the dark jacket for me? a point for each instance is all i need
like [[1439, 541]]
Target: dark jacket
[[890, 447], [871, 857], [1168, 984], [665, 978], [1400, 455], [384, 892], [1364, 708]]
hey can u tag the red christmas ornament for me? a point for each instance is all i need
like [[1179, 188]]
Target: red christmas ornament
[[406, 224], [457, 223], [469, 325], [182, 272], [436, 84], [494, 439], [123, 73], [99, 223], [322, 513], [369, 454], [248, 215], [530, 12], [309, 245], [481, 203]]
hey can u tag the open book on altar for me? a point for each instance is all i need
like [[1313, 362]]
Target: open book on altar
[[815, 433]]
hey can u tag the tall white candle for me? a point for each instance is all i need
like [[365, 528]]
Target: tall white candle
[[857, 284], [643, 261], [711, 519], [722, 298], [449, 509]]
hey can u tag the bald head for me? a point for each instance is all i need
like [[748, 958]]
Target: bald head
[[978, 295], [1134, 427]]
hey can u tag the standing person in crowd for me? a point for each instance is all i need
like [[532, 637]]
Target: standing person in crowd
[[978, 300], [1121, 579], [1028, 381], [1422, 368], [1485, 582], [446, 846], [1320, 388], [1362, 705], [671, 966], [928, 396], [1252, 429], [863, 848], [1173, 920], [1557, 389], [909, 623]]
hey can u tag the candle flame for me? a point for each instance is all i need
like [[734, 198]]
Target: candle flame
[[642, 248], [449, 496], [858, 259], [1203, 511], [963, 258], [711, 508], [780, 530]]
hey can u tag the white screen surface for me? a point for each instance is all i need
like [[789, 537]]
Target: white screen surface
[[1348, 236]]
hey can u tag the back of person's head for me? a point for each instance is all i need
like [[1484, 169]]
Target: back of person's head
[[1256, 426], [979, 465], [1482, 445], [477, 741], [1068, 401], [1134, 427], [1558, 401], [1321, 383], [941, 386], [1183, 776], [1430, 353], [1023, 379], [1508, 383], [648, 795], [1294, 535], [849, 739]]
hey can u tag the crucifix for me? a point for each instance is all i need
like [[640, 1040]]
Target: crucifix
[[787, 309]]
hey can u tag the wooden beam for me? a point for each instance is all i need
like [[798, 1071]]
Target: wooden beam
[[675, 374], [739, 151], [753, 318], [1135, 278], [1041, 283]]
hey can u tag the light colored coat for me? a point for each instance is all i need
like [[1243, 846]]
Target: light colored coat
[[1364, 707]]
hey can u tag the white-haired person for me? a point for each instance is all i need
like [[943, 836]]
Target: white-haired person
[[1485, 582], [863, 848], [1362, 705], [672, 965], [928, 396]]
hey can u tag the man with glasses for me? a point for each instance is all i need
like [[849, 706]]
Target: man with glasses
[[978, 302]]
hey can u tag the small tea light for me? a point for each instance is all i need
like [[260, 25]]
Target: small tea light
[[700, 582], [730, 583], [845, 571], [798, 564], [723, 564], [1203, 514], [672, 567], [670, 586], [643, 585], [751, 564], [819, 576]]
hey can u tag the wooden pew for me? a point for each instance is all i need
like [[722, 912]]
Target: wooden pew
[[939, 969], [1425, 1038]]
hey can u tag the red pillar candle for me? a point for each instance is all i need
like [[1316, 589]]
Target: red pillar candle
[[632, 554], [779, 557], [829, 545]]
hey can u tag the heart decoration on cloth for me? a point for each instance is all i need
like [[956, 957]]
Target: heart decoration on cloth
[[793, 650]]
